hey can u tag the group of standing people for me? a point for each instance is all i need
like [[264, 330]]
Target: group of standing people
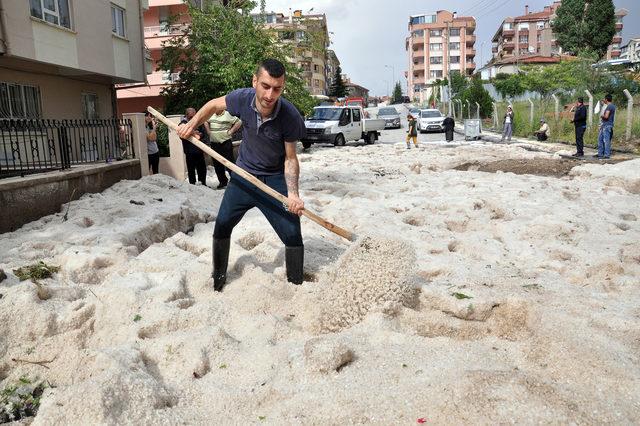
[[217, 132], [607, 112]]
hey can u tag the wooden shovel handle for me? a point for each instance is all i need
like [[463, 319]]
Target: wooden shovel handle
[[248, 176]]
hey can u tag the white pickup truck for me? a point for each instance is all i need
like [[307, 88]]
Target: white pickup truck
[[340, 124]]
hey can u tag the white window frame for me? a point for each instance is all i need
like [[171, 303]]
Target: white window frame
[[523, 26], [23, 100], [435, 47], [53, 13], [114, 21]]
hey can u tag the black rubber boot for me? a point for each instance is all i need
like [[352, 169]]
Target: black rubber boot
[[294, 260], [220, 262]]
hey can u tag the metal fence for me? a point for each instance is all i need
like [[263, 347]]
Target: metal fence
[[37, 145]]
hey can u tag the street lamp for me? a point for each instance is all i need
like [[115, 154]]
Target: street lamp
[[386, 81]]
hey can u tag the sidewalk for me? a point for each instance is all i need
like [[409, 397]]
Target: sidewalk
[[550, 147]]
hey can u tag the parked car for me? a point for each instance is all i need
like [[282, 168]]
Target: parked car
[[340, 124], [430, 121], [390, 116]]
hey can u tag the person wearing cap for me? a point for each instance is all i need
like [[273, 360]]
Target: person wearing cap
[[543, 132], [412, 133], [507, 131]]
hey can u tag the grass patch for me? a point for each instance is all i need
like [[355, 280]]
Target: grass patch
[[21, 399], [37, 271], [461, 296]]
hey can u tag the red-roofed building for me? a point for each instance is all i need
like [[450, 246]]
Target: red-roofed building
[[531, 36]]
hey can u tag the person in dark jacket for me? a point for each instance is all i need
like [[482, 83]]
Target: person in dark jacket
[[195, 157], [449, 125], [580, 123]]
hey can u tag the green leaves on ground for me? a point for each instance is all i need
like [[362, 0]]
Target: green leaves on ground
[[21, 399], [137, 318], [461, 296], [35, 272]]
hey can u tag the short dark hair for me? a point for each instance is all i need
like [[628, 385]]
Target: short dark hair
[[273, 67], [609, 98], [581, 99]]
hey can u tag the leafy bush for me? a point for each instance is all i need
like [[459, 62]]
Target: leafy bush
[[21, 399]]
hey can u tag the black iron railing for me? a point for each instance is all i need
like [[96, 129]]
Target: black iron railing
[[34, 146]]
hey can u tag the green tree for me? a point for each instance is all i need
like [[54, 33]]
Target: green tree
[[459, 83], [218, 53], [509, 85], [338, 89], [475, 92], [583, 25], [396, 98]]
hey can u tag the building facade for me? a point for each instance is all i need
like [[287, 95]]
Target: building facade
[[60, 59], [531, 35], [308, 38], [332, 65], [631, 51], [438, 43]]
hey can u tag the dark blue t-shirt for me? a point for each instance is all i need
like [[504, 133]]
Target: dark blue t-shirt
[[612, 115], [262, 150]]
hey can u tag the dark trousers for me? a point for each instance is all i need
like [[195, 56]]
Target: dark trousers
[[541, 136], [580, 139], [154, 161], [226, 150], [241, 196], [449, 135], [195, 162]]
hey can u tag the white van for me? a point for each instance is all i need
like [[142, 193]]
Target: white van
[[339, 125]]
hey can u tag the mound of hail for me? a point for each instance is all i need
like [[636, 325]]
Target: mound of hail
[[374, 275]]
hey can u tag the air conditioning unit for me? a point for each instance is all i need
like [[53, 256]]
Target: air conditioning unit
[[175, 76]]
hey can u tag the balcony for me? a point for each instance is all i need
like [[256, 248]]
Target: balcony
[[471, 52], [494, 49], [471, 39], [619, 26], [471, 65], [616, 39], [508, 33], [164, 30], [615, 53], [418, 80]]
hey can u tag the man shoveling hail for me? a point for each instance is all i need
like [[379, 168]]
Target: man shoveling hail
[[271, 128]]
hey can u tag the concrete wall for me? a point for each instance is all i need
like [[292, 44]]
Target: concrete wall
[[61, 96], [23, 200]]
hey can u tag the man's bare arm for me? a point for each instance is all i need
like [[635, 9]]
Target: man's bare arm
[[291, 176], [236, 126], [214, 106]]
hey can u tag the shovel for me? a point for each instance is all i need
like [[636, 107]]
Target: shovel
[[249, 177]]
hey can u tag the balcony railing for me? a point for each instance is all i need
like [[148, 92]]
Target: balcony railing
[[164, 30], [36, 145]]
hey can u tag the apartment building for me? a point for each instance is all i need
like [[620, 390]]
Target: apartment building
[[631, 51], [308, 37], [531, 35], [438, 43], [331, 67], [60, 59], [162, 20]]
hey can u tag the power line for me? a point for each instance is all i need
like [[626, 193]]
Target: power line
[[494, 9], [479, 5]]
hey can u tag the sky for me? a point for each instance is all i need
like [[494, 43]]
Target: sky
[[369, 35]]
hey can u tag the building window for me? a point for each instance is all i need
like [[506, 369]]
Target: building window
[[435, 46], [454, 59], [418, 33], [454, 46], [435, 60], [435, 73], [117, 21], [540, 25], [90, 106], [435, 33], [523, 26], [53, 11], [454, 32], [19, 101], [524, 39], [507, 26], [424, 19]]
